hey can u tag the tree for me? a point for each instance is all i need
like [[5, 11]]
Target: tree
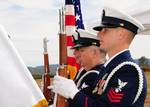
[[143, 61]]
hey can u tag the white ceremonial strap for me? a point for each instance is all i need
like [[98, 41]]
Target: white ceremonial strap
[[79, 73], [139, 75]]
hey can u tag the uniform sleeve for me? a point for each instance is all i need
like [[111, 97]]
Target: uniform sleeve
[[90, 79], [122, 88], [120, 91], [87, 82]]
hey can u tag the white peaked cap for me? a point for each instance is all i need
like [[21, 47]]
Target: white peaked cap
[[87, 34], [83, 38], [115, 18]]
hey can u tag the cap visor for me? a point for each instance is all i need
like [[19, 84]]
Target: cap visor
[[76, 46], [99, 28]]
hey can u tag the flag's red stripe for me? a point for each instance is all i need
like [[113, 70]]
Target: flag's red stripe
[[70, 41], [72, 62], [70, 20]]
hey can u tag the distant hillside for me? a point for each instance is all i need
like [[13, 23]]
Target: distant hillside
[[39, 70]]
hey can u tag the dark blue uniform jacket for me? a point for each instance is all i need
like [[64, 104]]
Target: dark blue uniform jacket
[[125, 88], [86, 80]]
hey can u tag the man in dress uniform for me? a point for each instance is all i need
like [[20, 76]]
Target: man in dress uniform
[[124, 84], [89, 56], [91, 59]]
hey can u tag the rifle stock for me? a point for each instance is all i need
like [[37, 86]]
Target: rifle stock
[[62, 71]]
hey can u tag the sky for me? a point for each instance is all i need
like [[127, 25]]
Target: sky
[[29, 21]]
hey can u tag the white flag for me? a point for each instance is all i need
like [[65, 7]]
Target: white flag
[[17, 86]]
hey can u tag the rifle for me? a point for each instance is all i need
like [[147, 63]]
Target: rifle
[[46, 77], [62, 71]]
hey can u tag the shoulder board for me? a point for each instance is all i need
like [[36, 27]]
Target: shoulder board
[[140, 76]]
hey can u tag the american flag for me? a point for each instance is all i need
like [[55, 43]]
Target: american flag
[[79, 20], [73, 21]]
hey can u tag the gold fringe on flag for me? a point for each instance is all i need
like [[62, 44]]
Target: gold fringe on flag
[[72, 71], [41, 103]]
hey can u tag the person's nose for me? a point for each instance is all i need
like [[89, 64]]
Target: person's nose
[[101, 33], [76, 52]]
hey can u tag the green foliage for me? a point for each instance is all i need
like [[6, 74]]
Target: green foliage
[[143, 61], [37, 76]]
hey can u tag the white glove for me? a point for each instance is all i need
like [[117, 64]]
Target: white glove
[[65, 87]]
